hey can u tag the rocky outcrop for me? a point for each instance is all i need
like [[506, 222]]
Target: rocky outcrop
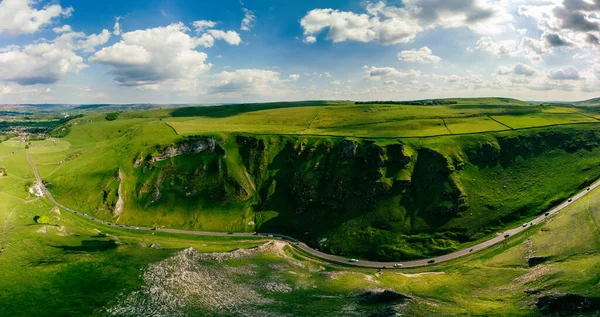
[[567, 304], [120, 201], [208, 144]]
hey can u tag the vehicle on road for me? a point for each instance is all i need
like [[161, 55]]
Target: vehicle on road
[[570, 200], [506, 235], [471, 250], [524, 225], [270, 236], [430, 261], [398, 265], [353, 260], [229, 232], [547, 214], [154, 229]]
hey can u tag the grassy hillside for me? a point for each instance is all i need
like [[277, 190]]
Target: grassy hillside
[[373, 120], [380, 198], [595, 102], [73, 267]]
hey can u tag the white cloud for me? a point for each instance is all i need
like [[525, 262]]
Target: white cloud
[[202, 25], [564, 73], [117, 27], [63, 29], [248, 20], [44, 63], [231, 37], [423, 56], [310, 39], [517, 69], [390, 25], [19, 17], [336, 82], [89, 44], [248, 82], [390, 82], [152, 56], [293, 77], [376, 73]]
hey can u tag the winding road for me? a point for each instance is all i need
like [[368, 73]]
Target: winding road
[[334, 258]]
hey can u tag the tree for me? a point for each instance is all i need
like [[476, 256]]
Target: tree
[[111, 116]]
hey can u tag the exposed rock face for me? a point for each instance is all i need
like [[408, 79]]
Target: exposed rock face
[[348, 148], [190, 147], [567, 304], [190, 281], [120, 201]]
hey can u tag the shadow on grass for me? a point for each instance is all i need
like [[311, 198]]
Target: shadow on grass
[[90, 246], [232, 110]]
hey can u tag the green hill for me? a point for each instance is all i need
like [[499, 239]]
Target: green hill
[[595, 102], [350, 179]]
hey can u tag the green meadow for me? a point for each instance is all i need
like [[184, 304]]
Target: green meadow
[[74, 267]]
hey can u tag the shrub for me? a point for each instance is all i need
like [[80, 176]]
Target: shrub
[[42, 219], [111, 116]]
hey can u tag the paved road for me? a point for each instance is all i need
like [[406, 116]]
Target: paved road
[[334, 258]]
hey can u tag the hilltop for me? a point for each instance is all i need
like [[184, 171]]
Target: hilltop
[[379, 181]]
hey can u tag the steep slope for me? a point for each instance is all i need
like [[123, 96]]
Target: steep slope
[[381, 199]]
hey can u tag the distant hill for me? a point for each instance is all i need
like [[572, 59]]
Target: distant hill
[[588, 103]]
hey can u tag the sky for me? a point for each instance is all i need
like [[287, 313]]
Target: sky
[[179, 51]]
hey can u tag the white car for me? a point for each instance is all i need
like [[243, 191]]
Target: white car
[[524, 225], [398, 265], [353, 260]]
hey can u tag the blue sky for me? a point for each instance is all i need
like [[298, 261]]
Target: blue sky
[[230, 51]]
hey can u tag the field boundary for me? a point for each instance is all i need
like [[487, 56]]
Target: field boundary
[[501, 123], [172, 128], [444, 121], [400, 137]]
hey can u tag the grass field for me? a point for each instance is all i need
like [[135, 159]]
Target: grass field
[[78, 268], [283, 168], [378, 120]]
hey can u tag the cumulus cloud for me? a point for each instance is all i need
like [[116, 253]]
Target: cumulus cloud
[[565, 73], [151, 56], [19, 17], [231, 37], [389, 25], [424, 55], [517, 69], [293, 77], [310, 39], [376, 73], [248, 20], [555, 40], [89, 43], [43, 63], [62, 29], [207, 39], [202, 25], [248, 82]]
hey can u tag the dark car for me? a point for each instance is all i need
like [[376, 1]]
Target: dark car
[[507, 235], [430, 261], [547, 214]]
